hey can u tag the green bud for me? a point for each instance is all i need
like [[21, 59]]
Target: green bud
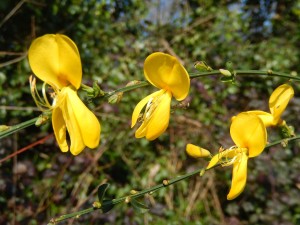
[[116, 98], [226, 73], [4, 128], [41, 120], [202, 66], [97, 205]]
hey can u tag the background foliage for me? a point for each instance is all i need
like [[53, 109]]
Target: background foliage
[[114, 38]]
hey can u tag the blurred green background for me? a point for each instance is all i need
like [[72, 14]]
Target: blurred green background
[[114, 38]]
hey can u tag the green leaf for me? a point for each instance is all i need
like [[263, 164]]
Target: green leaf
[[228, 79], [101, 191], [107, 205], [139, 207]]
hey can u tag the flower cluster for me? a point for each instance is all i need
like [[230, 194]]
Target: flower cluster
[[55, 60], [248, 132]]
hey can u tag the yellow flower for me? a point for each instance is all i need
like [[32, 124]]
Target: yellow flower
[[250, 137], [278, 101], [55, 59], [197, 152], [166, 73]]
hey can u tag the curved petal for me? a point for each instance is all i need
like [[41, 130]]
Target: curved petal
[[228, 154], [60, 129], [55, 60], [159, 120], [196, 152], [88, 125], [165, 71], [214, 160], [267, 118], [248, 131], [239, 177], [76, 141], [279, 100], [138, 108]]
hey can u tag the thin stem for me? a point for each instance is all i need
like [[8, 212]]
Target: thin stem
[[213, 73], [127, 88], [122, 199], [248, 73], [286, 140], [165, 184], [145, 83], [17, 127]]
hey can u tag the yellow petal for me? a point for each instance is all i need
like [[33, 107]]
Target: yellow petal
[[84, 121], [60, 129], [279, 100], [239, 177], [138, 108], [158, 121], [227, 154], [77, 144], [165, 72], [196, 152], [55, 60], [267, 118], [248, 131]]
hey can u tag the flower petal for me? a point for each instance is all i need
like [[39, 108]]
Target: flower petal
[[55, 60], [239, 177], [248, 131], [228, 154], [279, 100], [88, 125], [77, 144], [267, 118], [196, 152], [165, 71], [138, 108], [60, 129], [158, 121]]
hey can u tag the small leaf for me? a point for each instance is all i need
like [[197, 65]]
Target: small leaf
[[139, 207], [228, 79], [229, 66], [101, 191], [107, 205]]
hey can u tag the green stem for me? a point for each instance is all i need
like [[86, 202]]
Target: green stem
[[248, 73], [122, 199], [165, 183], [145, 83], [17, 127], [213, 73], [286, 140], [127, 88]]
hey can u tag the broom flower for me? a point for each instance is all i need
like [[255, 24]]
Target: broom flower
[[166, 73], [54, 58]]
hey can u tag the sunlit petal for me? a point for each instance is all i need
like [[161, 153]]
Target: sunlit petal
[[138, 108], [218, 157], [77, 144], [165, 72], [196, 152], [279, 100], [160, 118], [88, 125], [239, 177], [55, 60], [60, 129], [158, 121], [248, 131], [267, 118]]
